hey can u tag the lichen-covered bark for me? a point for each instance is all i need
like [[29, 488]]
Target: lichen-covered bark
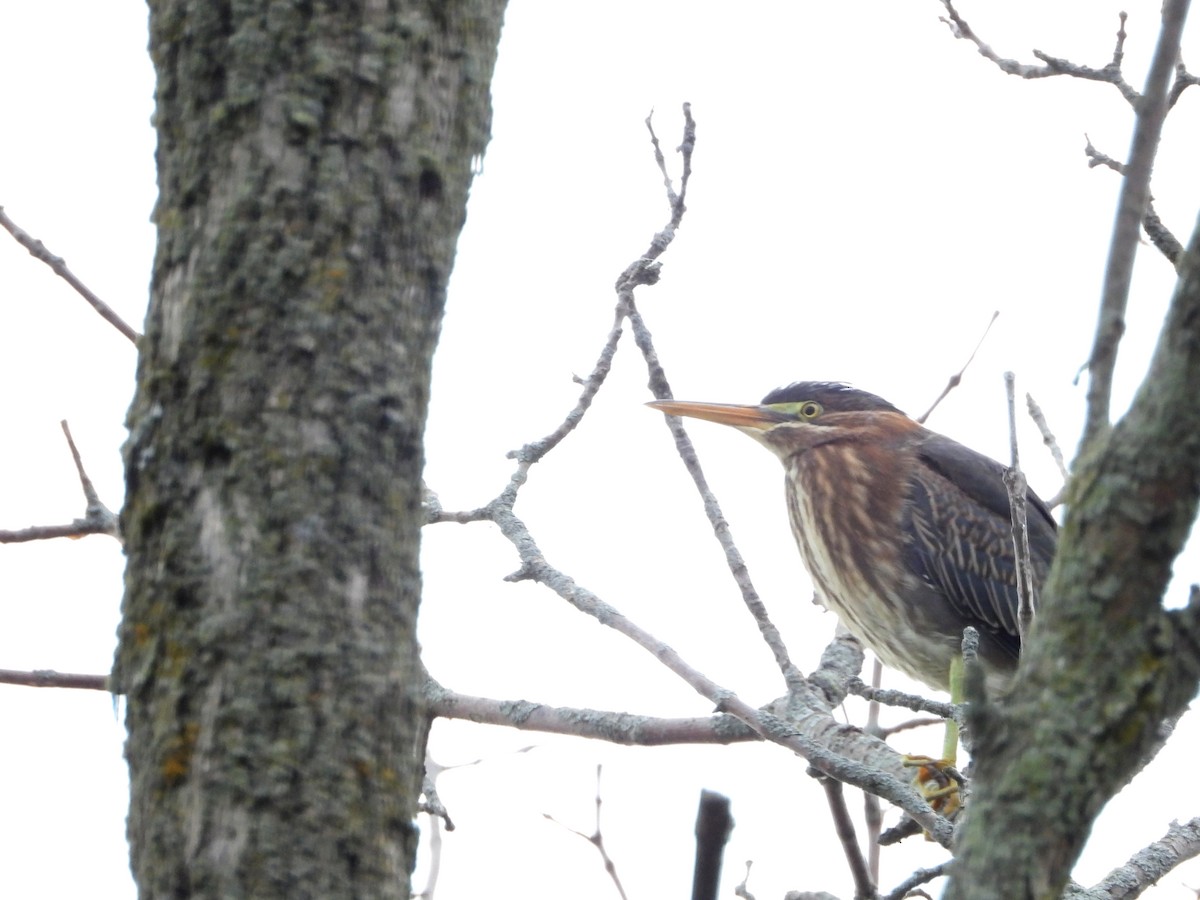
[[314, 161], [1106, 663]]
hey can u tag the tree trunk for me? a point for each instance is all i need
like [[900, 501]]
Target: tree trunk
[[314, 162]]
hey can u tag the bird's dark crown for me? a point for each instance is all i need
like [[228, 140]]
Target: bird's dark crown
[[834, 396]]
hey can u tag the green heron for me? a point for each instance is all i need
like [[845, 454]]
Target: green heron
[[906, 533]]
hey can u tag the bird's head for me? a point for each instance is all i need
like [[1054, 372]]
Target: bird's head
[[801, 416]]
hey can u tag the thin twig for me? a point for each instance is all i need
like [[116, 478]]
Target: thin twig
[[439, 817], [1051, 65], [915, 702], [1039, 419], [48, 678], [712, 509], [872, 812], [1183, 80], [956, 378], [843, 826], [596, 839], [1158, 233], [1096, 158], [97, 519], [909, 725], [433, 844], [661, 389], [1131, 208], [96, 510], [916, 879], [743, 889], [1018, 491], [38, 250], [77, 529], [534, 451]]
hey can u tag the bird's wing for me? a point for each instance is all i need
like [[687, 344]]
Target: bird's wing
[[961, 537]]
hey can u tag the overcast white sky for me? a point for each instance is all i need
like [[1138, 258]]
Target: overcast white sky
[[867, 191]]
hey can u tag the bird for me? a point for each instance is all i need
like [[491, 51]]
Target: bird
[[905, 532]]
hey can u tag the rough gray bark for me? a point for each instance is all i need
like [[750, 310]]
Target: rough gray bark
[[1106, 663], [314, 162]]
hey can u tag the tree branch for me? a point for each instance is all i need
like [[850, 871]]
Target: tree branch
[[1051, 65], [1147, 866], [1131, 208], [56, 263], [97, 519], [607, 725], [48, 678], [1018, 489], [1160, 236]]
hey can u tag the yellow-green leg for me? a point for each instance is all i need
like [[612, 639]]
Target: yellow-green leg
[[934, 782], [950, 747]]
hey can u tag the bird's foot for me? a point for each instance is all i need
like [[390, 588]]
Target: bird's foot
[[938, 781]]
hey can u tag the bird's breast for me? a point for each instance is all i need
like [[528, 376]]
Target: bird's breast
[[845, 518]]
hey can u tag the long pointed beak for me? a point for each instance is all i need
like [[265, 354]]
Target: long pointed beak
[[760, 417]]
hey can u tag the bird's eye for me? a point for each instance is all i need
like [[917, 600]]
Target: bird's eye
[[801, 409]]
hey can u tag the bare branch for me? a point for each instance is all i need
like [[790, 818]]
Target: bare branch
[[1110, 73], [96, 510], [1135, 194], [908, 725], [1183, 80], [841, 663], [1151, 108], [432, 805], [915, 702], [916, 879], [438, 814], [1096, 158], [843, 826], [661, 389], [1018, 491], [98, 518], [1159, 234], [596, 839], [535, 450], [1147, 866], [606, 725], [809, 730], [1052, 65], [48, 678], [77, 529], [961, 30], [956, 378], [38, 250], [1039, 419], [712, 509], [872, 812]]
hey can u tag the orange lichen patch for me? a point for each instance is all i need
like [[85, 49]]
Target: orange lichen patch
[[177, 761]]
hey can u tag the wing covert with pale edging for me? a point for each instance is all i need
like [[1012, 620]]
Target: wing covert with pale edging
[[960, 536]]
